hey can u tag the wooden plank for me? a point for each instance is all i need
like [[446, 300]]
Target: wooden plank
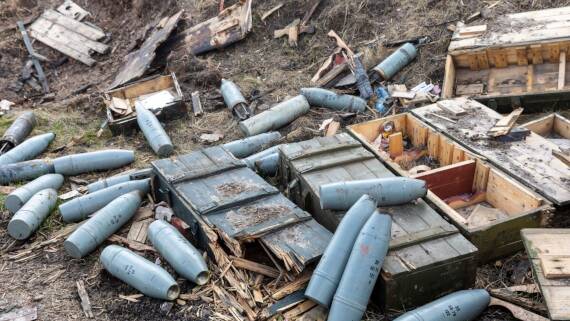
[[450, 180], [555, 267], [505, 124], [561, 126], [451, 107], [563, 157], [395, 145], [70, 37], [468, 90], [139, 231], [72, 24], [291, 287], [469, 31], [536, 53], [63, 48], [299, 309], [85, 302], [449, 78], [562, 71], [255, 267], [522, 56]]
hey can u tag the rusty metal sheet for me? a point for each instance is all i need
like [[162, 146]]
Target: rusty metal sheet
[[139, 61]]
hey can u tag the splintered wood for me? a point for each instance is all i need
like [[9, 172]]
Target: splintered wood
[[69, 36], [505, 124], [85, 302]]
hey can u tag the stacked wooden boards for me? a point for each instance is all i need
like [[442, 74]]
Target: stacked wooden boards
[[529, 161], [424, 247], [515, 59], [71, 37], [549, 253], [487, 205], [215, 193]]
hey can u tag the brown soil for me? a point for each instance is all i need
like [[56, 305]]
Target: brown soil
[[259, 64]]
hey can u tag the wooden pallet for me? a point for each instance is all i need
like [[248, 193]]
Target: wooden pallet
[[68, 36]]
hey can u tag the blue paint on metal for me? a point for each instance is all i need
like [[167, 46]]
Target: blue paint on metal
[[326, 277], [250, 145], [28, 149], [24, 171], [28, 218], [93, 161], [138, 272], [121, 178], [276, 117], [153, 132], [386, 191], [79, 208], [464, 305], [102, 224], [396, 61], [362, 269], [329, 99], [175, 248], [20, 196]]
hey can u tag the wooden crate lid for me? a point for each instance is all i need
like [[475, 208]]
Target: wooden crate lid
[[514, 30], [529, 161], [547, 244]]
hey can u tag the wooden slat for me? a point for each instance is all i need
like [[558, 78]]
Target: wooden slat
[[69, 37], [555, 267], [72, 24], [562, 71], [395, 145], [449, 79], [71, 52], [454, 109]]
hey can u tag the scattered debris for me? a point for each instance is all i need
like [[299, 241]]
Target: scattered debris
[[505, 124], [33, 57], [5, 106], [72, 10], [298, 26], [211, 138], [197, 104], [271, 11]]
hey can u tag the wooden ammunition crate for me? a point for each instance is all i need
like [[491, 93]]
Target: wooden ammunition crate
[[518, 59], [529, 161], [487, 205], [424, 247], [549, 253], [172, 108], [211, 190]]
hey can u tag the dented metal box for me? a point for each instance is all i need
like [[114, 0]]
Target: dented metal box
[[486, 204], [160, 94], [428, 257], [211, 188]]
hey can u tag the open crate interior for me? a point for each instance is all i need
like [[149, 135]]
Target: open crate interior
[[553, 127], [469, 189], [514, 55], [159, 92]]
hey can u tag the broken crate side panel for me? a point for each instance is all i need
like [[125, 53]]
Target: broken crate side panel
[[529, 161], [487, 205], [517, 59], [211, 188], [546, 247], [423, 247], [137, 62], [162, 94], [231, 25]]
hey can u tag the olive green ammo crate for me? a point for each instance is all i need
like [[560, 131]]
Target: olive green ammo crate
[[428, 257]]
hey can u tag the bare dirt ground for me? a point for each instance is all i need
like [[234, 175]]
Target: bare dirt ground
[[46, 277]]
